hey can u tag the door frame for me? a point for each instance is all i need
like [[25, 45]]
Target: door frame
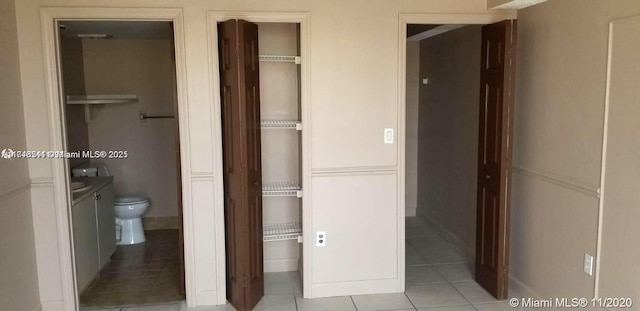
[[302, 18], [422, 18], [60, 169]]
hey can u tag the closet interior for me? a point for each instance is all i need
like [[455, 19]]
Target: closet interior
[[279, 50], [263, 233]]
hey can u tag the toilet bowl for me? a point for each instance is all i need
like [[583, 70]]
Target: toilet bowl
[[129, 211]]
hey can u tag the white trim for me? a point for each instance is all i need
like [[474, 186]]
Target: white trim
[[355, 170], [403, 20], [281, 265], [590, 190], [603, 168], [410, 210], [364, 287], [518, 286], [53, 306], [58, 133], [213, 17], [41, 182], [207, 298]]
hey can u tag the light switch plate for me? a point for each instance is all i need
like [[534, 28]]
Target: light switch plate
[[588, 264], [321, 238], [388, 136]]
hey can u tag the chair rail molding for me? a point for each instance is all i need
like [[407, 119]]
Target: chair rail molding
[[590, 190]]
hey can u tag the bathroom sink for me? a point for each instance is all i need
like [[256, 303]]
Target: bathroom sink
[[78, 186]]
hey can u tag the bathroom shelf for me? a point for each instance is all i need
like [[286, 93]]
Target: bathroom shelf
[[281, 124], [280, 58], [281, 189], [90, 100], [282, 232], [101, 99]]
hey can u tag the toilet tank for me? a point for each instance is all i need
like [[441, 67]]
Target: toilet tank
[[90, 170]]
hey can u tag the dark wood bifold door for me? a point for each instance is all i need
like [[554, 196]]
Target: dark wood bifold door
[[494, 157], [240, 96]]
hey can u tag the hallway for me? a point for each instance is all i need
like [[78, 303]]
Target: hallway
[[438, 276]]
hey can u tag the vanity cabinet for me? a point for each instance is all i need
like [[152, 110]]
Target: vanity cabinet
[[106, 220], [94, 236], [85, 237]]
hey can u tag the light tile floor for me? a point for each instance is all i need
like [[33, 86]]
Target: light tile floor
[[438, 279]]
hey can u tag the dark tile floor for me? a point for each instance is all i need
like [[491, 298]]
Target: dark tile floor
[[139, 274]]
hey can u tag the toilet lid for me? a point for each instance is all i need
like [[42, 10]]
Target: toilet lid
[[130, 200]]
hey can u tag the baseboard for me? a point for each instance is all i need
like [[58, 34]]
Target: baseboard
[[354, 288], [519, 286], [514, 283], [52, 306], [207, 298], [281, 265], [410, 211], [160, 223], [468, 251]]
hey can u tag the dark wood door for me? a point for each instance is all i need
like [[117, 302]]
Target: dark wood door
[[240, 96], [494, 157]]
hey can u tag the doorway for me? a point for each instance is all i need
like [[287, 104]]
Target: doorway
[[120, 105], [262, 157], [457, 159]]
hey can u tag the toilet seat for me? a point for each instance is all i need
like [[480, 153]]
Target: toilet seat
[[119, 201]]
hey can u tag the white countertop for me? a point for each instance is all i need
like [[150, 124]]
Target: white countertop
[[96, 184]]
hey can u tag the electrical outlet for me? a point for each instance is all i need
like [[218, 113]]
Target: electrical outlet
[[588, 264], [388, 136], [321, 238]]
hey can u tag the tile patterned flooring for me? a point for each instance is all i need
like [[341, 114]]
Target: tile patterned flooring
[[438, 279], [139, 274]]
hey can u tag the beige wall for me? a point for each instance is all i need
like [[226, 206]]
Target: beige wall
[[448, 127], [353, 61], [73, 78], [144, 68], [411, 134], [558, 129], [19, 281]]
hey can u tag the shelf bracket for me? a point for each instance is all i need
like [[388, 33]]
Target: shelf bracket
[[88, 113]]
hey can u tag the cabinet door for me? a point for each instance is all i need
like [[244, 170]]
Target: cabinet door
[[84, 241], [106, 224]]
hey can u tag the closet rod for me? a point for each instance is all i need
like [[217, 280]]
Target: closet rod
[[143, 116]]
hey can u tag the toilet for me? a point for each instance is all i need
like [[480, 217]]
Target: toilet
[[128, 209]]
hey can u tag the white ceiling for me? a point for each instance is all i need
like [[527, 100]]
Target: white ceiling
[[120, 29], [511, 4], [434, 32]]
